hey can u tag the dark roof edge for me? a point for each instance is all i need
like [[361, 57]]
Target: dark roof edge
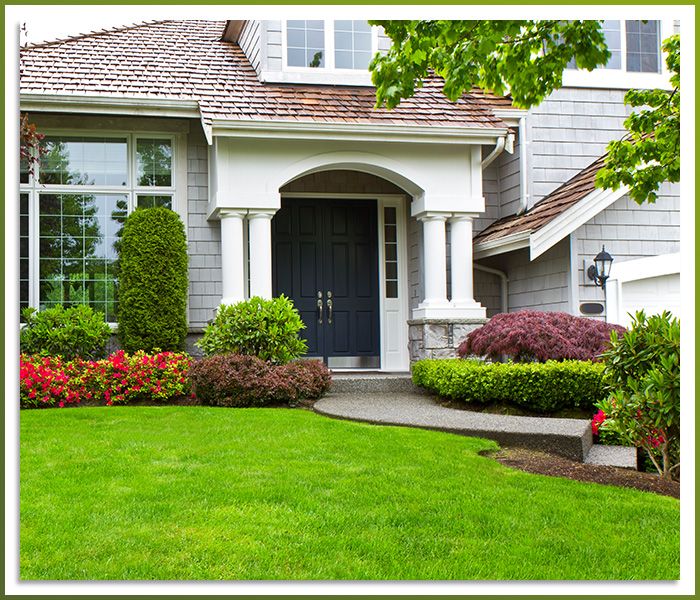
[[232, 31]]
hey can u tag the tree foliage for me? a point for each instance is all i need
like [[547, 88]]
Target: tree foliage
[[523, 58], [650, 154]]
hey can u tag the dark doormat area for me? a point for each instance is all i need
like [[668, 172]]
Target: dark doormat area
[[556, 466]]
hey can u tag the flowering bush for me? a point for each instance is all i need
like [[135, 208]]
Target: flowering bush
[[643, 372], [239, 380], [531, 335], [120, 378]]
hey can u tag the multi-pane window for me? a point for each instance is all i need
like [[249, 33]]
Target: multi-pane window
[[391, 256], [353, 44], [79, 199], [636, 48], [305, 44], [642, 46]]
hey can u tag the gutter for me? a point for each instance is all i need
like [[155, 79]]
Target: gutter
[[524, 195], [504, 283]]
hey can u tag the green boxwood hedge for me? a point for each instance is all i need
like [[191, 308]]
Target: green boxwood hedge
[[152, 313], [540, 387]]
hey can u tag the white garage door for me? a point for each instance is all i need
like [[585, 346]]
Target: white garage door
[[653, 295], [651, 284]]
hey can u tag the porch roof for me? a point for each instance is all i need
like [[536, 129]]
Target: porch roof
[[187, 60]]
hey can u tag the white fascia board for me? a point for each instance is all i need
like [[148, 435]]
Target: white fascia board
[[357, 131], [645, 268], [570, 220], [508, 243], [510, 116], [110, 104]]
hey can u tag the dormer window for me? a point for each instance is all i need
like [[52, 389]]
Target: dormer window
[[329, 45]]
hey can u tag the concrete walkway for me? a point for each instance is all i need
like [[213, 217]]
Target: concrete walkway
[[571, 438]]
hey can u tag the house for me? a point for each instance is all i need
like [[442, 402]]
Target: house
[[394, 232]]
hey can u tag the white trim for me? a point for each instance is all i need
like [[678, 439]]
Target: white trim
[[508, 243], [646, 268], [357, 131], [574, 294], [110, 104], [572, 218]]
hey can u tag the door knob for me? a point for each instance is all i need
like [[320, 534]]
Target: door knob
[[329, 304], [319, 305]]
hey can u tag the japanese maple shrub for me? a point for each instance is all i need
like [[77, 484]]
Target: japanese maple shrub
[[531, 335], [152, 290], [642, 369], [68, 333], [266, 329]]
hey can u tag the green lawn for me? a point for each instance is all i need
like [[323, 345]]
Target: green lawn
[[207, 493]]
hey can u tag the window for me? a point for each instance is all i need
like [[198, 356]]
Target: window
[[353, 44], [305, 44], [78, 201], [642, 46], [391, 257], [329, 45], [637, 49]]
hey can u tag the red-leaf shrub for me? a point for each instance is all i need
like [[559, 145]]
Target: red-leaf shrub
[[535, 335], [238, 380], [120, 378]]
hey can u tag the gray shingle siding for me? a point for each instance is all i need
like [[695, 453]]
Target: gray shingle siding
[[249, 41], [204, 237], [273, 45]]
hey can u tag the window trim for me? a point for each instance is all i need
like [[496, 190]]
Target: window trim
[[329, 49], [621, 78], [178, 189]]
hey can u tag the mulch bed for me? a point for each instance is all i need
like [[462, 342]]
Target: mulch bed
[[549, 464]]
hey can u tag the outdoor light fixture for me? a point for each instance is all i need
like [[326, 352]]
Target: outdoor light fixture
[[600, 270]]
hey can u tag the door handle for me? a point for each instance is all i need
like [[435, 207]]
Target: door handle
[[319, 305], [329, 304]]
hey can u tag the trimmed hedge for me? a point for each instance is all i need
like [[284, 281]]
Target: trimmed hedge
[[152, 311], [540, 387], [239, 381], [76, 332]]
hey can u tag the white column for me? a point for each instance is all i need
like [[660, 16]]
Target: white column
[[434, 266], [462, 268], [260, 237], [232, 273], [461, 261]]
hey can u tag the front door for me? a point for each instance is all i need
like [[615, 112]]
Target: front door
[[324, 258]]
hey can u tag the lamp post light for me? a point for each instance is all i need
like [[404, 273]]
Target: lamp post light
[[599, 272]]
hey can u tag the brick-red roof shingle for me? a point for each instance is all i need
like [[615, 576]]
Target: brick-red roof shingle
[[188, 60]]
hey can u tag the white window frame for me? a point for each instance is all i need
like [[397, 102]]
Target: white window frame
[[621, 78], [329, 73], [177, 189]]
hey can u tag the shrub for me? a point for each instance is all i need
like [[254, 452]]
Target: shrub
[[152, 310], [266, 329], [237, 380], [534, 335], [642, 369], [50, 381], [76, 332], [540, 387]]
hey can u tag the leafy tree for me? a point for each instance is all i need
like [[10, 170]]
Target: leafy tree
[[523, 58], [526, 59], [650, 154]]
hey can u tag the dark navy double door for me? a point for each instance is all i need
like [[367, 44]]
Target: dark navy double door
[[324, 256]]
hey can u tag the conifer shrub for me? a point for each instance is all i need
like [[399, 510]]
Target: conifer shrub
[[531, 335], [153, 282]]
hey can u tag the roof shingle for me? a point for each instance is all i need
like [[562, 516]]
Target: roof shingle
[[188, 60]]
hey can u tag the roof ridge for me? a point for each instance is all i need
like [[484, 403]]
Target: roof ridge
[[97, 32]]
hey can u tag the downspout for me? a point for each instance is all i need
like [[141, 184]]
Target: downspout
[[522, 142], [504, 284], [500, 145]]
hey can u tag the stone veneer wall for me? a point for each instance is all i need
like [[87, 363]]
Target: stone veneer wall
[[438, 338]]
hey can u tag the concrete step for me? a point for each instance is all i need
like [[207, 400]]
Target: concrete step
[[612, 456], [372, 382]]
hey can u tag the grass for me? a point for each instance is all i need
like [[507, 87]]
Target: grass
[[206, 493]]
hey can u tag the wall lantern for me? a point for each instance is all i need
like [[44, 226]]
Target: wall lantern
[[599, 272]]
